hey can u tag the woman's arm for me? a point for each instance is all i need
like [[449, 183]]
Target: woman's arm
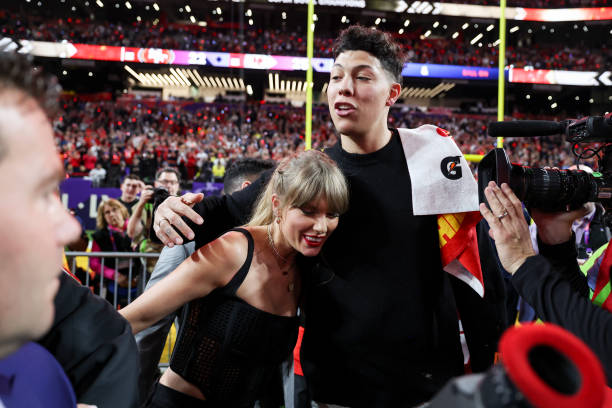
[[95, 263], [210, 267]]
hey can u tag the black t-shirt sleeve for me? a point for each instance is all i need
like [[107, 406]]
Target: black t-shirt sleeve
[[221, 213], [554, 300]]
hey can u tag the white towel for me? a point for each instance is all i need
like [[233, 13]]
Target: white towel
[[442, 182]]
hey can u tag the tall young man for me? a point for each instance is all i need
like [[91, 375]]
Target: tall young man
[[381, 315]]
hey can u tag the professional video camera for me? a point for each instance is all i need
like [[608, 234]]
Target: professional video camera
[[552, 189]]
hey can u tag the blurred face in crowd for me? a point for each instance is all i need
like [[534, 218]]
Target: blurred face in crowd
[[169, 181], [33, 223], [113, 216], [359, 94], [130, 189]]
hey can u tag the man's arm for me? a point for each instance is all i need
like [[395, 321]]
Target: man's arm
[[205, 218], [555, 301], [135, 226]]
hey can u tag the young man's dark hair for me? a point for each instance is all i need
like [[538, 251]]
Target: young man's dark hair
[[244, 169], [378, 43]]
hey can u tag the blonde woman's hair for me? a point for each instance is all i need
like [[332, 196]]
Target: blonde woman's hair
[[299, 180], [111, 202]]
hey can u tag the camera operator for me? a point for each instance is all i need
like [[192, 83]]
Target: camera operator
[[166, 178], [551, 282]]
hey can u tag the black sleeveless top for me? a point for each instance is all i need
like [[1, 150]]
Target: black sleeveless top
[[228, 348]]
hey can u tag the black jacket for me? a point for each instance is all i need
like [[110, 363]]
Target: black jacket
[[95, 347]]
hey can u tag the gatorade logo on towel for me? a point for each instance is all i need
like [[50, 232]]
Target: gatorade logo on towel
[[451, 167]]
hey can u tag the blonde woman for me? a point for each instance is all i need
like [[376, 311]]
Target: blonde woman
[[110, 236], [244, 289]]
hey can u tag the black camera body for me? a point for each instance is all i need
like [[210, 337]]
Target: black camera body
[[553, 189]]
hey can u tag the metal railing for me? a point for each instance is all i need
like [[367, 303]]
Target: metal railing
[[131, 257]]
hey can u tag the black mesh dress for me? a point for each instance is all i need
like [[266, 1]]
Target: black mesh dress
[[228, 348]]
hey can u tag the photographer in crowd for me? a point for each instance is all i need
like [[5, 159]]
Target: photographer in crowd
[[551, 282], [167, 179]]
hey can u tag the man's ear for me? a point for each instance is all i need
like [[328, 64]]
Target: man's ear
[[394, 93]]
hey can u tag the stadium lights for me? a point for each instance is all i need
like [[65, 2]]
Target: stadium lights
[[284, 15], [496, 43], [218, 10], [475, 39], [514, 29], [249, 90], [64, 72], [250, 21], [591, 100], [406, 23], [155, 6], [455, 35], [193, 19], [401, 31], [99, 3], [428, 93], [554, 105], [193, 77], [188, 9], [248, 13], [377, 22], [577, 98], [427, 34], [465, 25], [490, 27], [436, 24], [128, 5], [550, 97], [527, 96]]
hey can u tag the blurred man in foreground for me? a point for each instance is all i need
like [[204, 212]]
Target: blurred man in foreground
[[35, 228]]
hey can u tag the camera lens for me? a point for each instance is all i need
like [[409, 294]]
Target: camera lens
[[552, 189], [545, 189]]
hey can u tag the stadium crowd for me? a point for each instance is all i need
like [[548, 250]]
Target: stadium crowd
[[438, 48], [202, 139]]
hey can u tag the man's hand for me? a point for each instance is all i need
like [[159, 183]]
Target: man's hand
[[508, 226], [168, 218], [146, 195], [556, 228]]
